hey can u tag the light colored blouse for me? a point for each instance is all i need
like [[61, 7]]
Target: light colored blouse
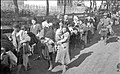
[[23, 35], [58, 34], [35, 28], [14, 39]]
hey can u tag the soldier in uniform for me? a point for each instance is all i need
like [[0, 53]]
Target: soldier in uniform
[[105, 23]]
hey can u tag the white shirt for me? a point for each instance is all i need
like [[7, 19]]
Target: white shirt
[[57, 34], [45, 24], [23, 35]]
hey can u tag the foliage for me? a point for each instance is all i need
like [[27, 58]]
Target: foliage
[[25, 13], [7, 13]]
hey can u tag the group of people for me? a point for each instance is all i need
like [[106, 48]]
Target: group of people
[[49, 38], [25, 40]]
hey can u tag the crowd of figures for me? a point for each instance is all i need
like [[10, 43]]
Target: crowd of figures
[[52, 38]]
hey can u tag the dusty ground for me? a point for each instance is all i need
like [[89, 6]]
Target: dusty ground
[[101, 59]]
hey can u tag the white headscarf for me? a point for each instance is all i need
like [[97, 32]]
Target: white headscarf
[[75, 18]]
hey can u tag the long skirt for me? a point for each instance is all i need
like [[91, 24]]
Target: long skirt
[[63, 54]]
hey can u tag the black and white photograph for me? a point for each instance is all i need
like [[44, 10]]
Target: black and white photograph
[[60, 37]]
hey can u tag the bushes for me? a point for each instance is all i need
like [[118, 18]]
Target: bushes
[[11, 14], [7, 13], [8, 16], [24, 13]]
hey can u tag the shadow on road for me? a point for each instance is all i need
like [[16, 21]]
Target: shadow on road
[[113, 39], [80, 59], [95, 39]]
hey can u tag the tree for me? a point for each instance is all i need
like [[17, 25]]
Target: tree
[[90, 6], [16, 7], [64, 7], [47, 7]]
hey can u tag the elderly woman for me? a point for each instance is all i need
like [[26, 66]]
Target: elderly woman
[[63, 49]]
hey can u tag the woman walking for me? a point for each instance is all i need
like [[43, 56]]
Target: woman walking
[[63, 49]]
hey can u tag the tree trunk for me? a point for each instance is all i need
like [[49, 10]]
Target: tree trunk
[[107, 4], [64, 7], [90, 6], [47, 7], [16, 7]]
